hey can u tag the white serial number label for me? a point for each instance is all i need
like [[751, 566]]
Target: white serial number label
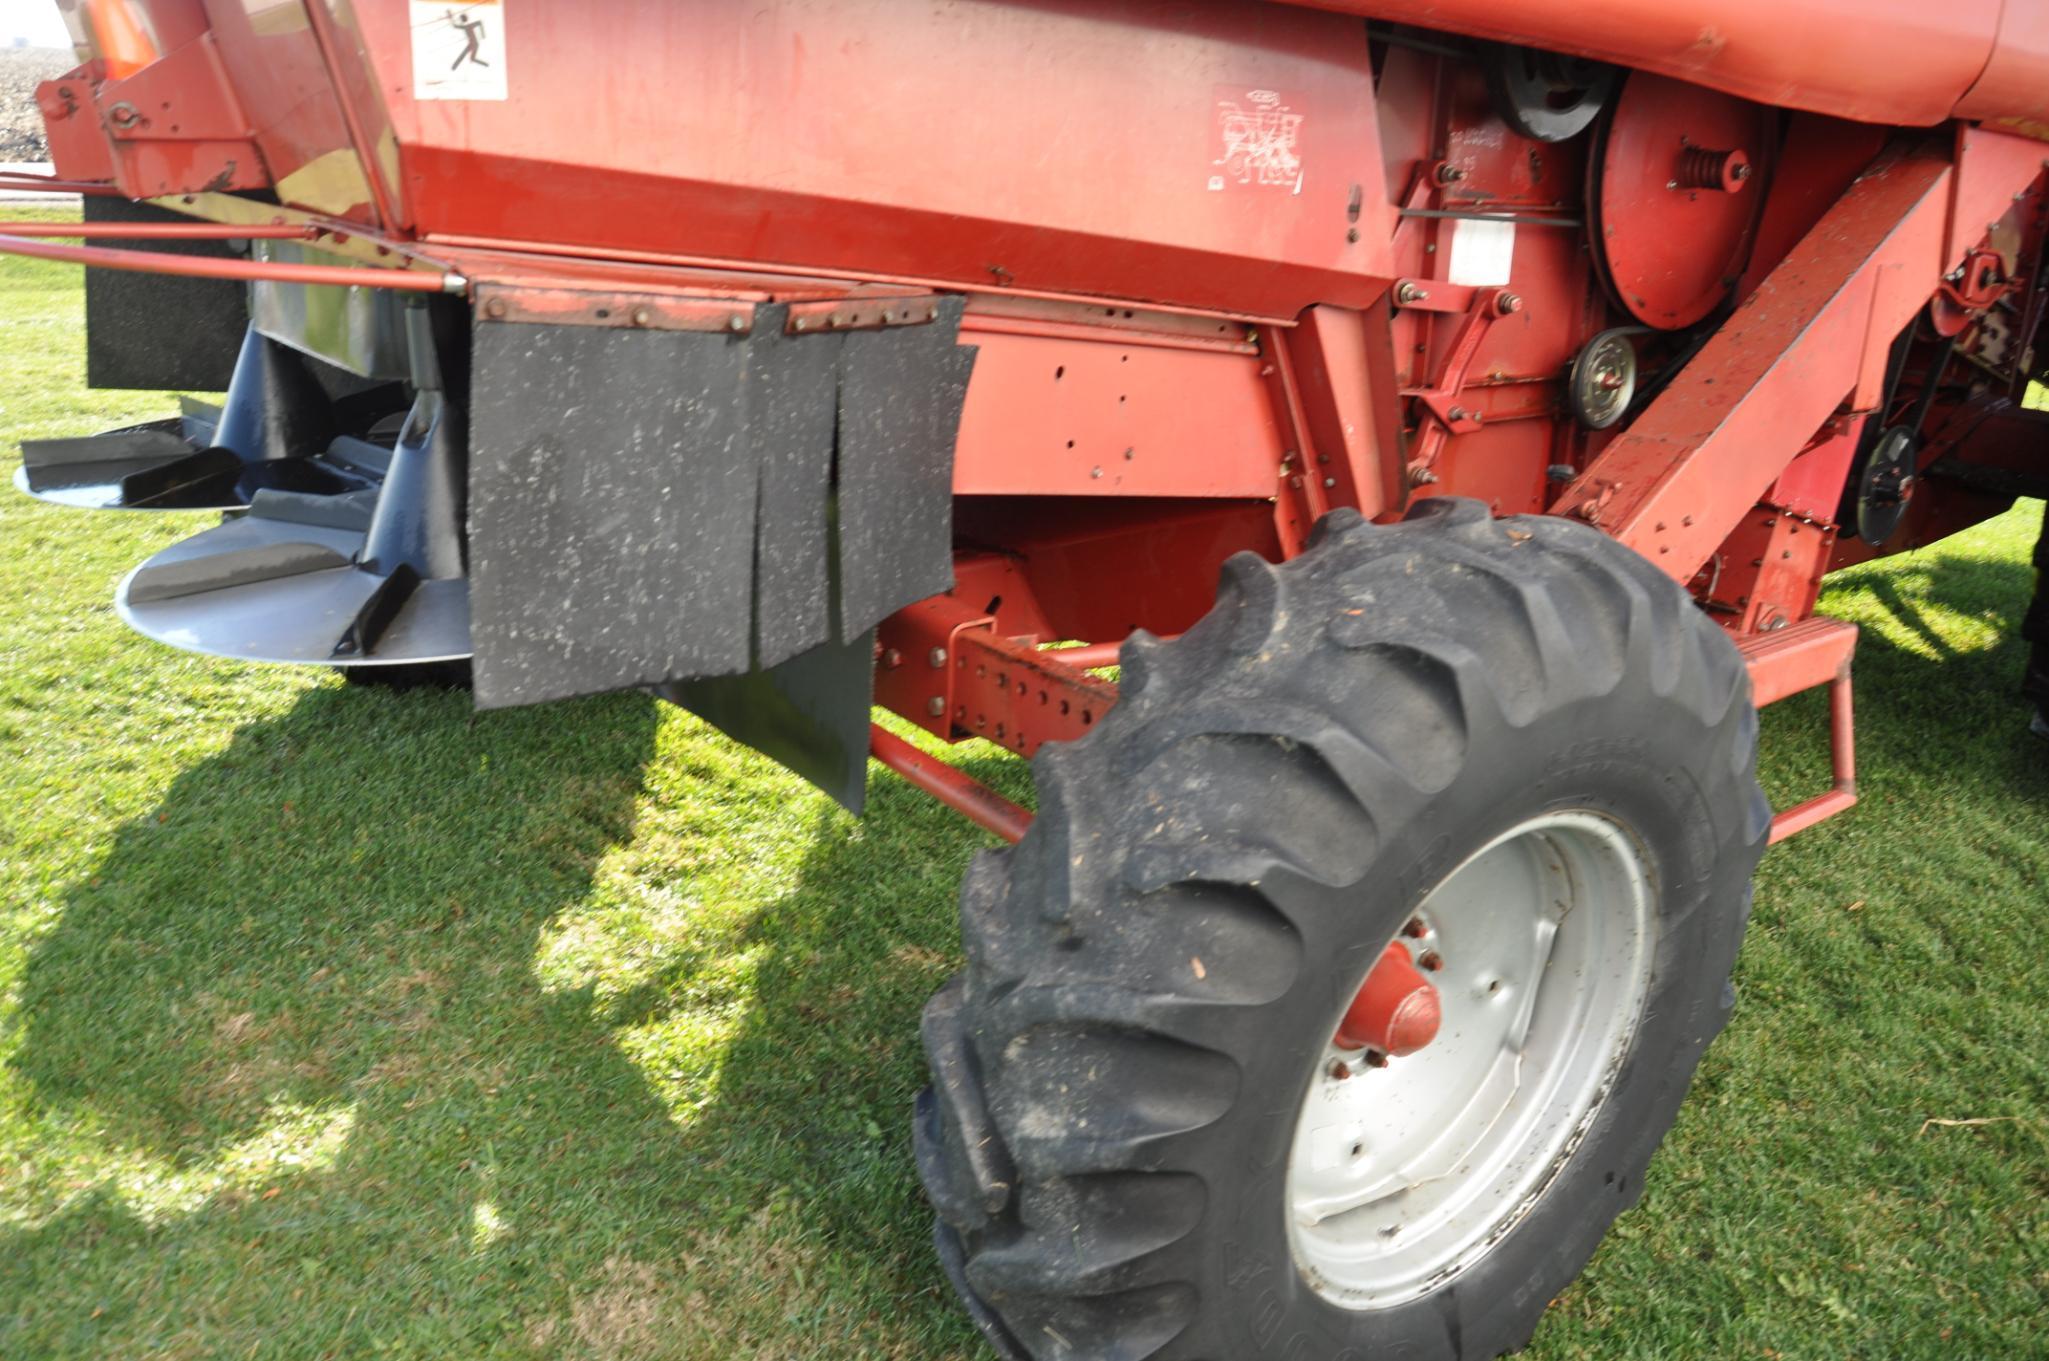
[[459, 50]]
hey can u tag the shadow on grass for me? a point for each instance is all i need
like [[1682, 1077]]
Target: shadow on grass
[[1958, 711], [336, 936], [329, 943]]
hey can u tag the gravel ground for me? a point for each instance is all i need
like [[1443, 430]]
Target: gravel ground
[[21, 127]]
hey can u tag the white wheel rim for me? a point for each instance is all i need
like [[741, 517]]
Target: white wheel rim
[[1405, 1175]]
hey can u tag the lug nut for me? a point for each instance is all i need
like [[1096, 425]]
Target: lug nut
[[1431, 960], [1339, 1070], [1414, 928], [1375, 1059]]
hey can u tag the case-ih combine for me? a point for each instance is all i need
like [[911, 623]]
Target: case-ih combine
[[1522, 369]]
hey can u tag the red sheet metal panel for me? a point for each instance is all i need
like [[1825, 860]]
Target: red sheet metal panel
[[273, 59], [1208, 153], [2014, 90], [1880, 61], [1050, 416]]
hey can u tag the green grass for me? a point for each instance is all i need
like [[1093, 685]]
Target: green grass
[[334, 1023]]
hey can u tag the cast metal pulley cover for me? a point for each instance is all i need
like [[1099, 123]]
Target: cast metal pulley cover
[[1604, 378], [1547, 95]]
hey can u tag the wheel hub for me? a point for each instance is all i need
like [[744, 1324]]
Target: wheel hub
[[1404, 1173], [1397, 1011]]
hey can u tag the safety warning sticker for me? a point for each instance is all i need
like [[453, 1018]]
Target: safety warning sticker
[[1256, 140], [459, 49]]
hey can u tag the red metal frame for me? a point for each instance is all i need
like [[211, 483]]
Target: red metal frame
[[1181, 355], [1800, 657]]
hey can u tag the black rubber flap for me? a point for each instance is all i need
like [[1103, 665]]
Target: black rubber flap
[[160, 330], [654, 506], [901, 393], [810, 713]]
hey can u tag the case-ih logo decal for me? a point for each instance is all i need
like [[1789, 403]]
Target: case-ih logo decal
[[1258, 140], [459, 49]]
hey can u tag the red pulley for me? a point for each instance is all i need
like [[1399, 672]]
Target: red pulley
[[1397, 1010]]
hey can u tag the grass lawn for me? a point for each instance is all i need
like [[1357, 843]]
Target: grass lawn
[[339, 1024]]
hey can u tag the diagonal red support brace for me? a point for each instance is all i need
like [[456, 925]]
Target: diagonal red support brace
[[1813, 334]]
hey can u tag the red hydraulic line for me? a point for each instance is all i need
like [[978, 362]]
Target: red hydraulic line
[[951, 786], [200, 267], [161, 231]]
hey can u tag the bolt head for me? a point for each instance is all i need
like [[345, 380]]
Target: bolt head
[[936, 706], [937, 656], [1339, 1070], [892, 658], [736, 322]]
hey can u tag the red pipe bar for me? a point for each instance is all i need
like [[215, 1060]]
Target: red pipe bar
[[1089, 656], [199, 267], [1086, 656], [44, 184], [950, 785], [162, 231]]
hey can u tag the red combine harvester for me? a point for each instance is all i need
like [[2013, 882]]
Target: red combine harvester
[[1522, 369]]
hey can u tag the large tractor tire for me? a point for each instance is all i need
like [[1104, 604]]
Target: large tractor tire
[[1513, 749]]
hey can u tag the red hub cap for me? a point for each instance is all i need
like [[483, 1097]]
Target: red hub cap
[[1397, 1010]]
